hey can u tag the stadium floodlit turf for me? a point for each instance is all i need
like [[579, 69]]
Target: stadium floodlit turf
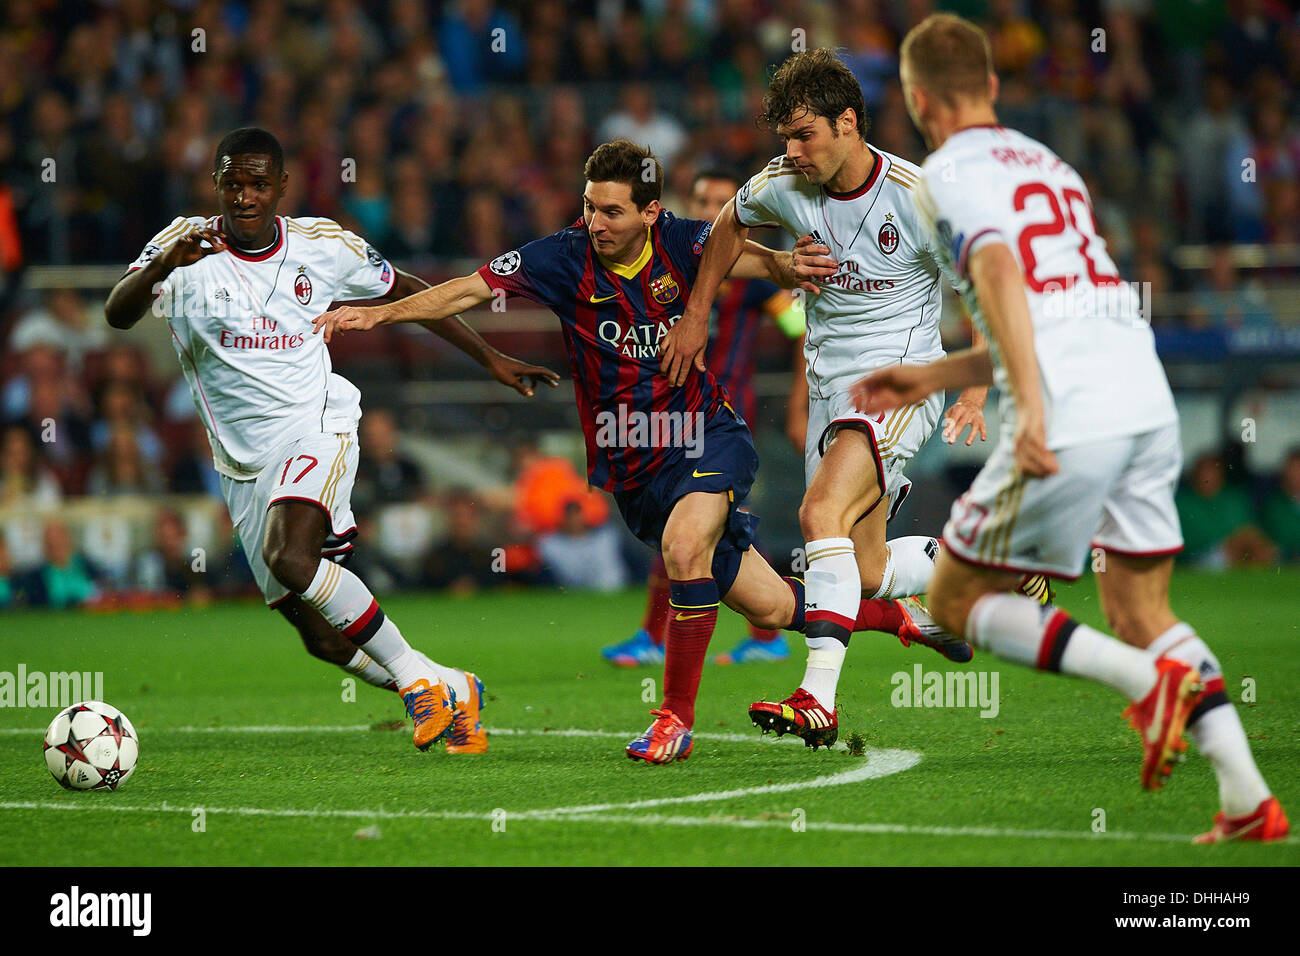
[[235, 720]]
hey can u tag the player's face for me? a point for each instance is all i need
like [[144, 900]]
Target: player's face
[[616, 227], [812, 144], [248, 191], [708, 196]]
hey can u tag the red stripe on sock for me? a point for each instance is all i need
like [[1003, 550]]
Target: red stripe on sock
[[840, 619], [762, 634], [879, 614], [360, 623], [1049, 639]]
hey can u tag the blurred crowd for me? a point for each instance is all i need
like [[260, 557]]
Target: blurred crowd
[[451, 131], [459, 128]]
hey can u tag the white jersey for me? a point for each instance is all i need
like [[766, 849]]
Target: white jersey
[[1096, 354], [242, 328], [882, 306]]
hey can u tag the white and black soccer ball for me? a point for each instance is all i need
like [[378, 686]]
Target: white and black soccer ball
[[91, 746]]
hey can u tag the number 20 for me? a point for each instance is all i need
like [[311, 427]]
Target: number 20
[[1054, 227]]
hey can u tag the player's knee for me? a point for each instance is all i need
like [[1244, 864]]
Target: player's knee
[[292, 567], [686, 557]]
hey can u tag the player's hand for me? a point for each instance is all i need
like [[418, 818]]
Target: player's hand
[[813, 265], [959, 417], [889, 387], [520, 376], [1033, 457], [683, 347], [796, 427], [347, 318], [190, 248]]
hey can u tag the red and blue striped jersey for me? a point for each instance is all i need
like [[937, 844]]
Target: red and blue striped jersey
[[613, 318], [738, 311]]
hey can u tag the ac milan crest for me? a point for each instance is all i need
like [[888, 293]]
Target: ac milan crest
[[302, 286], [888, 238]]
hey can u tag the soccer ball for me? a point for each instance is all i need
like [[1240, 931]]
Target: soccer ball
[[91, 746]]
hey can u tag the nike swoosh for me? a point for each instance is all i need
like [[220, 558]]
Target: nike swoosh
[[703, 474], [690, 617], [605, 298]]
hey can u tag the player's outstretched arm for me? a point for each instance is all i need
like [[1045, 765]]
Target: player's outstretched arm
[[683, 346], [506, 369], [1000, 290], [136, 291], [433, 304]]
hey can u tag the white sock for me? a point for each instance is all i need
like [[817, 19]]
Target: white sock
[[909, 562], [344, 600], [1217, 732], [825, 659], [1016, 628], [453, 677], [364, 666], [832, 584]]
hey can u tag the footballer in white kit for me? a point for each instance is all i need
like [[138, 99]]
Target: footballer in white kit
[[1089, 452], [239, 293], [877, 303], [881, 306]]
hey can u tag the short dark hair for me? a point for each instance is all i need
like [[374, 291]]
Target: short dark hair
[[948, 56], [623, 161], [249, 140], [719, 172], [818, 81]]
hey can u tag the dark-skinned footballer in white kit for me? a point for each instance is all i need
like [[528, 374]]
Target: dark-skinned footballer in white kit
[[239, 292]]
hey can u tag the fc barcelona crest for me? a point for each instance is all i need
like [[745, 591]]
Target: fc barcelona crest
[[888, 236], [665, 289], [302, 286]]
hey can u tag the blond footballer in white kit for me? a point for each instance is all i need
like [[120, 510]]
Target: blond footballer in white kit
[[239, 293], [1089, 453]]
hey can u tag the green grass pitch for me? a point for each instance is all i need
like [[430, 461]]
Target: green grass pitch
[[939, 785]]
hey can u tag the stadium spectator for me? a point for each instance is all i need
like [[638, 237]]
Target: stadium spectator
[[121, 407], [121, 468], [638, 119], [1282, 509], [6, 576], [582, 557], [1222, 300], [1219, 527], [25, 482], [192, 472], [385, 475], [462, 562], [62, 323], [63, 580], [169, 567]]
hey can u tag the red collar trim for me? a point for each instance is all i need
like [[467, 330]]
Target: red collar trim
[[871, 180], [279, 244]]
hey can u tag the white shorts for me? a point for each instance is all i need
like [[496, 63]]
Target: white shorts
[[895, 437], [320, 470], [1117, 495]]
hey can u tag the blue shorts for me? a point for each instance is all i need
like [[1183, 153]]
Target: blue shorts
[[727, 463]]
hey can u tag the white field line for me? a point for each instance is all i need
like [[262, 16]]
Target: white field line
[[878, 763], [654, 820]]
